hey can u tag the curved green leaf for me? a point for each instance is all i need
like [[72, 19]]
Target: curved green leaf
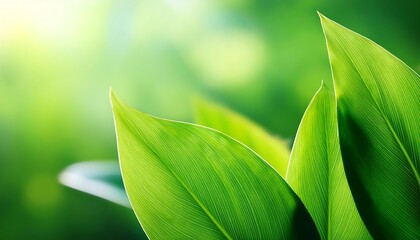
[[316, 172], [98, 178], [378, 117], [81, 176], [186, 181], [272, 149]]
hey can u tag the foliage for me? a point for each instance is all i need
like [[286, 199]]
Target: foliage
[[316, 172], [193, 182], [353, 167], [271, 148], [378, 117]]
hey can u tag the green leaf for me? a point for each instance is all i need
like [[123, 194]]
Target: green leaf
[[186, 181], [86, 177], [378, 117], [272, 149], [316, 172], [98, 178]]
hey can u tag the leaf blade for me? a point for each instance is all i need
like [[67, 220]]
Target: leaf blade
[[272, 149], [98, 178], [174, 196], [378, 108], [316, 172]]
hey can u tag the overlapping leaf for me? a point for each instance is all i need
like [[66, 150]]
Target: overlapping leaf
[[317, 175], [378, 116], [185, 181], [272, 149]]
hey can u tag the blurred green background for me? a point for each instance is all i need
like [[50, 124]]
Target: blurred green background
[[58, 59]]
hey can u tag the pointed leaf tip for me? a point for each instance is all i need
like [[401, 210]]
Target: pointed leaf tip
[[322, 18], [324, 88], [328, 24], [323, 85], [320, 14], [115, 100], [112, 97]]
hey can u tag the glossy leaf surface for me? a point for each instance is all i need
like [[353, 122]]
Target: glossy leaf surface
[[186, 181], [378, 117], [316, 172]]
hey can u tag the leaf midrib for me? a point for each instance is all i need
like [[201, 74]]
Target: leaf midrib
[[206, 211], [394, 134]]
